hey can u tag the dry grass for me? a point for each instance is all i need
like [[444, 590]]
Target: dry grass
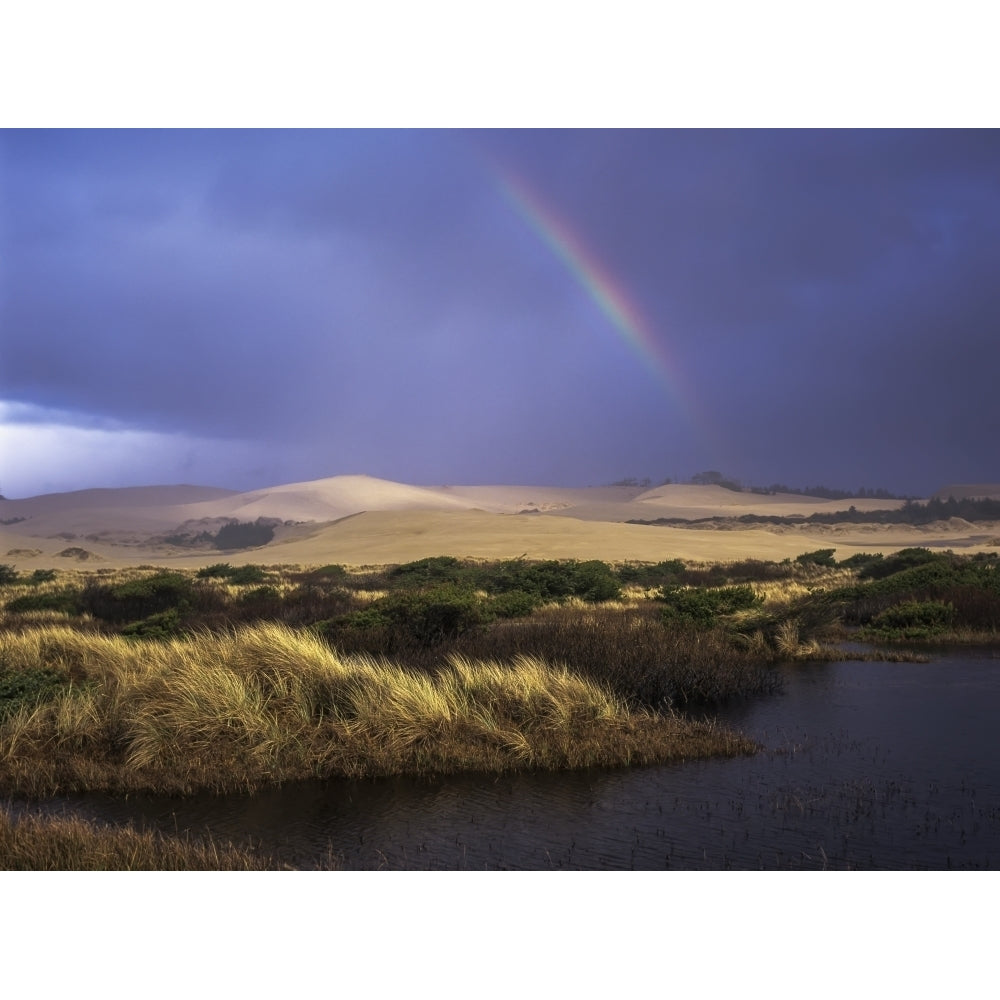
[[265, 704], [40, 843], [788, 643]]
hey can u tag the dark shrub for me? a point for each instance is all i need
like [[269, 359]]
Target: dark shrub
[[821, 557], [67, 600], [239, 535], [250, 573], [332, 573], [551, 579], [914, 620], [8, 574], [512, 604], [138, 599], [861, 560], [650, 576], [435, 569], [438, 613], [902, 560], [702, 607], [594, 581], [216, 571], [265, 595], [28, 687], [164, 625], [425, 617], [41, 576]]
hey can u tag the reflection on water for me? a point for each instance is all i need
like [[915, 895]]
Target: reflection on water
[[868, 765]]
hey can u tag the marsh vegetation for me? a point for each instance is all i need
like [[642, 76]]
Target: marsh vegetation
[[237, 678]]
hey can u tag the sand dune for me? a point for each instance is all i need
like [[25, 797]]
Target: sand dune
[[362, 520], [327, 500]]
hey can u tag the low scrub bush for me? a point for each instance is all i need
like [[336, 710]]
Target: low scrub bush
[[513, 604], [134, 600], [163, 625], [862, 561], [644, 575], [702, 607], [8, 574], [912, 620], [821, 557], [217, 571], [553, 580], [434, 614], [28, 686], [433, 570], [67, 600], [970, 586], [879, 568], [334, 573], [236, 575]]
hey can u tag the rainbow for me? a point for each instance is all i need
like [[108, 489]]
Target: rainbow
[[607, 293]]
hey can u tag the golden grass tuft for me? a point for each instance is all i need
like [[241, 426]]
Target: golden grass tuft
[[264, 704], [788, 643]]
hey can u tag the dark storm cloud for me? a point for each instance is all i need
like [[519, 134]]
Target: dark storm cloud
[[369, 301]]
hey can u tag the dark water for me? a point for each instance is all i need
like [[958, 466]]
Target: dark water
[[868, 765]]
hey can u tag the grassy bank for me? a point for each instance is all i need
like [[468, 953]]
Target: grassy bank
[[40, 843], [266, 704]]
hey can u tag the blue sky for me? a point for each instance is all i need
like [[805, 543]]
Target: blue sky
[[242, 308]]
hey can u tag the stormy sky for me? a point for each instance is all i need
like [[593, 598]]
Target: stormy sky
[[572, 308]]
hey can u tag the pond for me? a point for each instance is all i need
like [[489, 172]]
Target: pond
[[866, 766]]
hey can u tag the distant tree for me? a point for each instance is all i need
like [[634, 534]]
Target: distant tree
[[709, 478], [714, 478]]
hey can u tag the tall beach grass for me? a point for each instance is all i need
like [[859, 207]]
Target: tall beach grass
[[264, 704]]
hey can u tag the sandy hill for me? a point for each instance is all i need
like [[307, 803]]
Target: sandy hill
[[363, 520], [327, 500], [114, 498]]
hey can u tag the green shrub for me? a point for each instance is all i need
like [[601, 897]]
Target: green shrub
[[861, 560], [247, 574], [367, 618], [552, 580], [28, 687], [434, 614], [8, 574], [649, 576], [216, 571], [164, 625], [913, 620], [41, 576], [333, 572], [512, 604], [595, 581], [902, 560], [67, 600], [138, 599], [434, 569], [262, 595], [821, 557], [702, 607], [424, 616]]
